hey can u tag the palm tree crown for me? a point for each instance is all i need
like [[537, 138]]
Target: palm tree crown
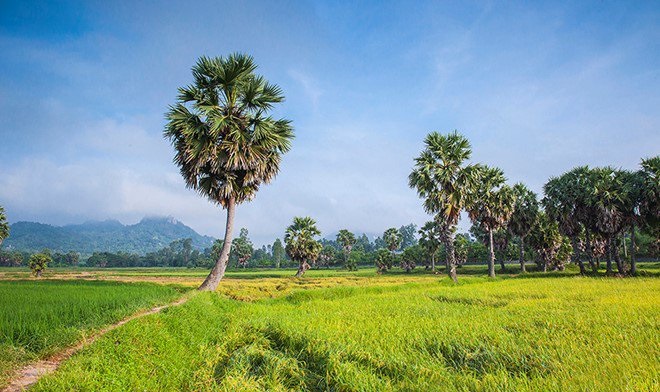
[[525, 211], [226, 143], [299, 239], [441, 176]]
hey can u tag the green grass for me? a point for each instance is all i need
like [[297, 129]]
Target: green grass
[[38, 318], [393, 332]]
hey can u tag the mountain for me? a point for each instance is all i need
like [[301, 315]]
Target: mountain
[[149, 235]]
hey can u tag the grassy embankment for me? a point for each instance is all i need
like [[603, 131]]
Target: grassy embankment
[[396, 332], [39, 318]]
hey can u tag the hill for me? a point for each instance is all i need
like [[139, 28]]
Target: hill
[[149, 235]]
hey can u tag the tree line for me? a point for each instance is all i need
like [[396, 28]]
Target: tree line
[[227, 145]]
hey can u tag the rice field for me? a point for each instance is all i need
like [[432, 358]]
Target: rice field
[[39, 318], [402, 332]]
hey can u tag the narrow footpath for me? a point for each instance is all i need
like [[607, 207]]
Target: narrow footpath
[[30, 374]]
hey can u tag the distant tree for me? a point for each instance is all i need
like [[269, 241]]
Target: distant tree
[[607, 202], [186, 250], [347, 240], [430, 240], [300, 243], [327, 256], [363, 244], [567, 202], [384, 260], [444, 180], [462, 242], [546, 240], [226, 144], [491, 207], [10, 259], [392, 239], [38, 263], [242, 248], [72, 258], [408, 237], [4, 225], [411, 256], [278, 253], [524, 217], [649, 203]]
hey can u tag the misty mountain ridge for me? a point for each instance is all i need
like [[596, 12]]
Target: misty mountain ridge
[[149, 235]]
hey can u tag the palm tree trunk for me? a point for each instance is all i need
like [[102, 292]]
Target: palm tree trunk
[[608, 252], [590, 253], [491, 259], [522, 254], [617, 257], [218, 271], [304, 266], [433, 262], [576, 254], [451, 259], [633, 261]]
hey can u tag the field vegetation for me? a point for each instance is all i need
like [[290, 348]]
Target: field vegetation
[[39, 318], [400, 331]]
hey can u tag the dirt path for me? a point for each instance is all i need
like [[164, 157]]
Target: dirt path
[[31, 373]]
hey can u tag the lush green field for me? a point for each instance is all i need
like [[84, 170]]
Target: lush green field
[[396, 332], [38, 318]]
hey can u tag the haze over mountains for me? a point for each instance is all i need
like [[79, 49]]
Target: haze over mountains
[[149, 235]]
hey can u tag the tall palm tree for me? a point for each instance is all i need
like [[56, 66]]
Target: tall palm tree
[[607, 201], [491, 205], [300, 243], [226, 144], [430, 240], [392, 238], [546, 240], [347, 240], [524, 217], [443, 178], [4, 226], [566, 201], [650, 196]]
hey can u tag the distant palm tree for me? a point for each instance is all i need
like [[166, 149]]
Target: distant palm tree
[[4, 226], [300, 243], [608, 200], [392, 238], [347, 240], [430, 240], [444, 179], [649, 207], [524, 217], [567, 202], [226, 144], [491, 206]]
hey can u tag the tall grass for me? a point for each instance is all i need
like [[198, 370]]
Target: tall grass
[[38, 318], [530, 334]]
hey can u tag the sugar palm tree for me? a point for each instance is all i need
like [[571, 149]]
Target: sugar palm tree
[[607, 201], [430, 240], [566, 201], [4, 226], [491, 205], [444, 180], [649, 207], [300, 243], [226, 144], [546, 240], [392, 239], [524, 217], [347, 240]]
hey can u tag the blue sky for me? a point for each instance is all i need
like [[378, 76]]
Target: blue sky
[[538, 88]]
